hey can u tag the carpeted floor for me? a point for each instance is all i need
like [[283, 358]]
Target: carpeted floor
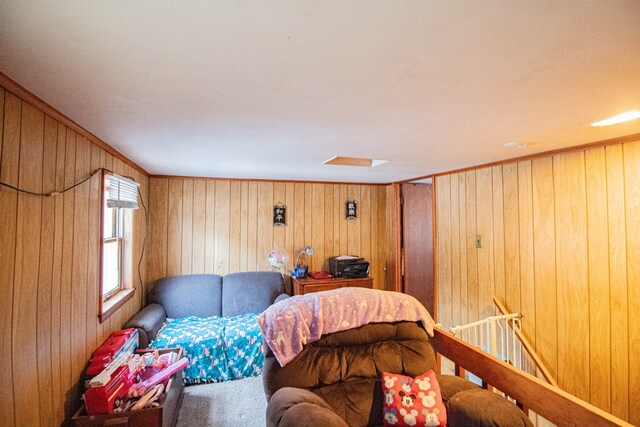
[[232, 403]]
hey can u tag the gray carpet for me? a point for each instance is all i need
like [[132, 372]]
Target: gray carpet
[[232, 403]]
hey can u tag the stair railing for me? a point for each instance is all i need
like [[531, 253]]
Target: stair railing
[[528, 347], [555, 405]]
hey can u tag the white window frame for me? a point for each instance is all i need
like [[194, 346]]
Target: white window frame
[[115, 298], [116, 237]]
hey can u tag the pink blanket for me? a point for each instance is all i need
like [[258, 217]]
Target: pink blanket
[[290, 324]]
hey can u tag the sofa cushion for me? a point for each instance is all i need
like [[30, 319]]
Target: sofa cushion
[[243, 346], [189, 295], [482, 408], [250, 292], [202, 341], [218, 348]]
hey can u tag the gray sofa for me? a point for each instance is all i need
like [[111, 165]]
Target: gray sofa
[[206, 295]]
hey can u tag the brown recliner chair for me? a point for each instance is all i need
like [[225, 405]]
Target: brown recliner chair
[[335, 381]]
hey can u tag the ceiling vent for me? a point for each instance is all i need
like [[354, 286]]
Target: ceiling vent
[[354, 161]]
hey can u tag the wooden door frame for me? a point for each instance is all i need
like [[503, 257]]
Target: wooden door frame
[[434, 241], [396, 256]]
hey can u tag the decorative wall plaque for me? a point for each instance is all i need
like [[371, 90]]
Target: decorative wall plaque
[[352, 209], [279, 215]]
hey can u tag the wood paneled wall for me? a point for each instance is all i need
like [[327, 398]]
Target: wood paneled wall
[[223, 226], [49, 263], [561, 244]]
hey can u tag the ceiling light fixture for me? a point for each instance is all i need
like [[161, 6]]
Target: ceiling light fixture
[[515, 144], [354, 161], [620, 118]]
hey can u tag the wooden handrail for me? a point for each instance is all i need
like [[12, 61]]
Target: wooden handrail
[[557, 406], [546, 373]]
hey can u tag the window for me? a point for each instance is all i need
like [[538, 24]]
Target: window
[[112, 250], [119, 196]]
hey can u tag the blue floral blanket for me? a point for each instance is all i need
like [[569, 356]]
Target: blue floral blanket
[[218, 348]]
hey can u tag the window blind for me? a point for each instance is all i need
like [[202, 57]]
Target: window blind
[[121, 192]]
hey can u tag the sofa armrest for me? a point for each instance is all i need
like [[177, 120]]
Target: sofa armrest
[[281, 297], [296, 407], [148, 321]]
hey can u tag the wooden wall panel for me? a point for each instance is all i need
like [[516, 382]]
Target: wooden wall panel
[[8, 221], [174, 228], [462, 246], [318, 224], [56, 290], [484, 227], [511, 236], [632, 197], [221, 228], [199, 223], [26, 265], [618, 281], [158, 229], [210, 222], [328, 223], [67, 257], [252, 235], [525, 227], [544, 267], [472, 299], [498, 231], [443, 248], [93, 332], [572, 273], [45, 273], [383, 249], [80, 248], [234, 227], [565, 252], [49, 264], [598, 270], [455, 251], [187, 226], [265, 224], [238, 231]]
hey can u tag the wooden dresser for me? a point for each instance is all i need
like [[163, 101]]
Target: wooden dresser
[[306, 285]]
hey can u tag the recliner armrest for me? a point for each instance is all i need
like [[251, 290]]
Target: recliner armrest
[[148, 322], [281, 297], [296, 407], [450, 385], [483, 408]]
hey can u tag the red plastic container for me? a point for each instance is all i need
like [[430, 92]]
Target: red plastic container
[[102, 400]]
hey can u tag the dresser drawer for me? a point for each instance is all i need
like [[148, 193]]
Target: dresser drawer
[[306, 285]]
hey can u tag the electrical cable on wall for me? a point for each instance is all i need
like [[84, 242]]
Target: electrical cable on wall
[[71, 187], [144, 244], [54, 193]]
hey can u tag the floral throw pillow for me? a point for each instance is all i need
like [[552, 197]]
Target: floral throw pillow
[[412, 401]]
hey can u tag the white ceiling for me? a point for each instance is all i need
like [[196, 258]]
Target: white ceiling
[[271, 89]]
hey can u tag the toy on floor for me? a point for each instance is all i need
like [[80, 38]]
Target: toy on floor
[[141, 388], [120, 342], [121, 384], [102, 399], [153, 359], [114, 368], [149, 397], [119, 376]]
